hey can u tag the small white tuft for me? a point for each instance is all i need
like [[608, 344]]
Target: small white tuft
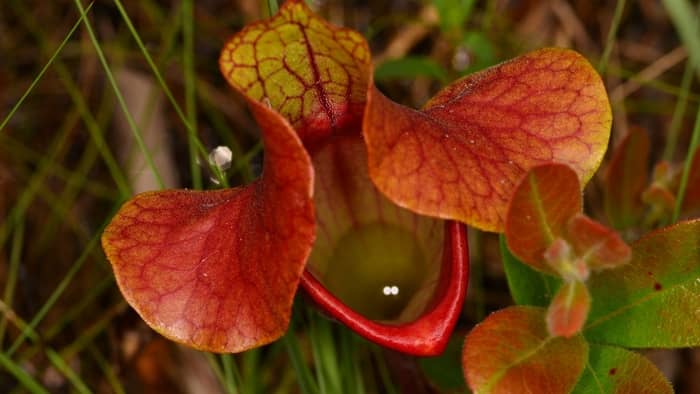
[[221, 157]]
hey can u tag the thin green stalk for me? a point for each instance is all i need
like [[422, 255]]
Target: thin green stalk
[[21, 375], [231, 375], [60, 289], [348, 362], [678, 113], [325, 354], [77, 309], [190, 88], [383, 370], [34, 184], [10, 146], [215, 367], [94, 126], [692, 151], [11, 280], [303, 373], [43, 71], [612, 33], [166, 90], [685, 19], [120, 99], [682, 104], [106, 368], [95, 129], [63, 204], [272, 7], [87, 335], [68, 317], [250, 367], [67, 371], [18, 322]]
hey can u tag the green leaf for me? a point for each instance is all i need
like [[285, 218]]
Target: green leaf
[[654, 301], [481, 50], [617, 370], [527, 286], [453, 13], [443, 371], [410, 67], [685, 20]]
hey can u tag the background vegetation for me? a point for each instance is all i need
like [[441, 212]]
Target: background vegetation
[[69, 156]]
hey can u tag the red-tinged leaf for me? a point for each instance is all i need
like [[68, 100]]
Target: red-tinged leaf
[[661, 200], [218, 270], [654, 301], [393, 276], [569, 309], [511, 352], [626, 177], [560, 257], [313, 73], [460, 157], [599, 246], [542, 203], [617, 370], [527, 286], [691, 198]]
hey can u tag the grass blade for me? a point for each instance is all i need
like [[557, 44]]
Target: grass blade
[[120, 99], [43, 70], [21, 375]]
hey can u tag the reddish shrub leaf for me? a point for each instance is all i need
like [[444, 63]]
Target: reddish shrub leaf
[[511, 352], [460, 157], [542, 203], [654, 301], [217, 270], [313, 73], [568, 311], [617, 370], [626, 178], [599, 246]]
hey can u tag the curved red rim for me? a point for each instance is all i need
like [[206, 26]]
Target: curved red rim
[[429, 333]]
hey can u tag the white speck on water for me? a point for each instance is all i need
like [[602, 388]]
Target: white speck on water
[[390, 290]]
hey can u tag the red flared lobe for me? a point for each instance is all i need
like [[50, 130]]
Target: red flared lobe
[[218, 270], [460, 157], [313, 73]]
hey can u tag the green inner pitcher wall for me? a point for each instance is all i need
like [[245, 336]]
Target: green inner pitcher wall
[[381, 260]]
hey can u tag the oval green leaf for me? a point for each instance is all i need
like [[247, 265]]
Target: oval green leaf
[[616, 370], [654, 301]]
